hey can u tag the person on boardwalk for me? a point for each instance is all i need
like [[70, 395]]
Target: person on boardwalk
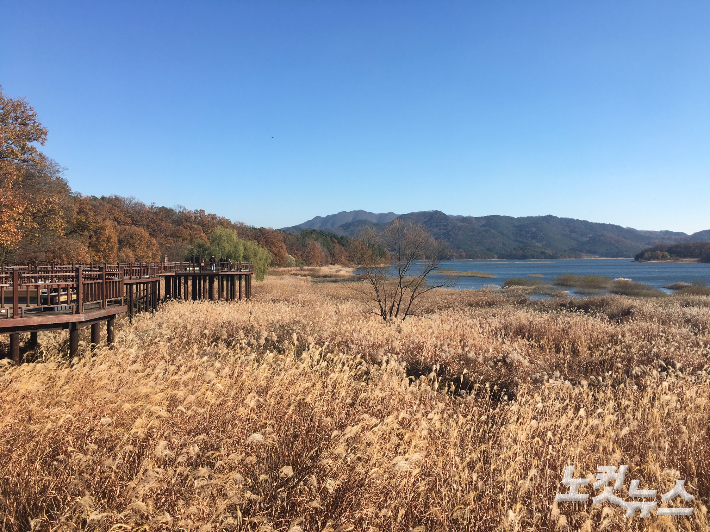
[[213, 263]]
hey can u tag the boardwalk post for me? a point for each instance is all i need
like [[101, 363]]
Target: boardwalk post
[[95, 334], [73, 339], [33, 339], [130, 303], [122, 289], [15, 347], [103, 285], [79, 291], [239, 277], [15, 293], [109, 329]]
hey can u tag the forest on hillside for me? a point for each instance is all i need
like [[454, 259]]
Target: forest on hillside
[[43, 220], [699, 251]]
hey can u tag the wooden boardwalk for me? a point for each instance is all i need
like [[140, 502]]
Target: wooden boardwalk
[[71, 296]]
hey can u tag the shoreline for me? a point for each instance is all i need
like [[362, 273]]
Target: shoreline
[[685, 261], [538, 260]]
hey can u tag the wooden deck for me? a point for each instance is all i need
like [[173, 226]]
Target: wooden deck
[[71, 296]]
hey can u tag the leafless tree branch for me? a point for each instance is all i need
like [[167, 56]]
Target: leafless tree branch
[[397, 283]]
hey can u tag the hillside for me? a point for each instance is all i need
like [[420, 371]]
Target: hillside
[[334, 221], [531, 237], [694, 250], [700, 236]]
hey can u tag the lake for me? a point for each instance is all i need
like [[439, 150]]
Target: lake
[[656, 274]]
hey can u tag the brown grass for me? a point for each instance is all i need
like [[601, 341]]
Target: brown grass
[[302, 410], [331, 273]]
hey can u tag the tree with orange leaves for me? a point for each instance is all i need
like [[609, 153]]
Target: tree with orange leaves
[[135, 244], [274, 243], [19, 129], [314, 254], [11, 209], [340, 256], [103, 244]]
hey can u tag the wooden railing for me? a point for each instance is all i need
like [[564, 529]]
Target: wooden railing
[[28, 291], [227, 266], [33, 288]]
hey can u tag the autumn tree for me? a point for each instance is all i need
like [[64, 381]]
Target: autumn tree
[[19, 130], [11, 210], [103, 245], [67, 251], [314, 254], [48, 211], [136, 245], [340, 256], [273, 241]]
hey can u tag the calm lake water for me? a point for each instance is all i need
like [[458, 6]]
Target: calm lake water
[[656, 274]]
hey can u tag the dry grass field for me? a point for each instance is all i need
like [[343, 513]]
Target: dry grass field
[[302, 410]]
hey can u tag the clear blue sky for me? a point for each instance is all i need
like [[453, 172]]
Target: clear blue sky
[[271, 113]]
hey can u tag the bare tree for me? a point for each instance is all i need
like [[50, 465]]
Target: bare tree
[[397, 282]]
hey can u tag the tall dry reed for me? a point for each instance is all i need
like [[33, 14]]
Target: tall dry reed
[[302, 410]]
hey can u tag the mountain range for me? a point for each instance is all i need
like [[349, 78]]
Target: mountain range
[[507, 237], [334, 221]]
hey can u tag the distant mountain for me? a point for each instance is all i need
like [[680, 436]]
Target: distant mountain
[[506, 237], [700, 236], [334, 221]]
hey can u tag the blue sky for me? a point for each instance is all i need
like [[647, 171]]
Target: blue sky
[[271, 113]]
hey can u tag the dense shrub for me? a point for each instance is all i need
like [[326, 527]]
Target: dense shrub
[[631, 288], [586, 281], [521, 281]]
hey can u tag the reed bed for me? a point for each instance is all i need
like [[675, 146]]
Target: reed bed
[[303, 410], [457, 273]]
